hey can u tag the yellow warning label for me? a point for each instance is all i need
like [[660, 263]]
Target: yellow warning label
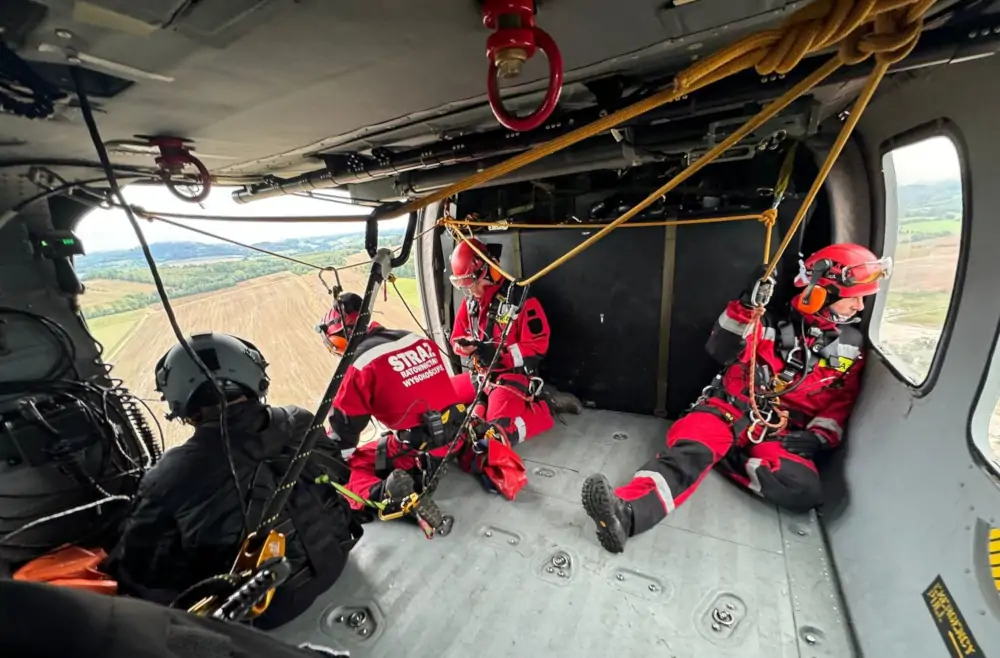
[[951, 624], [993, 551]]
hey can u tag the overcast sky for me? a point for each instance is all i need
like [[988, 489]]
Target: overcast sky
[[104, 230], [929, 160]]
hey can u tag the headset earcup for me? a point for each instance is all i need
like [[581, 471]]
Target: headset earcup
[[495, 275], [811, 300]]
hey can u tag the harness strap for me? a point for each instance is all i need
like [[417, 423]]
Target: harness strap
[[738, 426], [383, 465]]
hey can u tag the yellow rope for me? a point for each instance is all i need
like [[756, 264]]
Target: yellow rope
[[808, 31], [889, 29], [845, 132], [504, 225]]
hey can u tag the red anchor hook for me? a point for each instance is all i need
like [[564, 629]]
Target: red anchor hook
[[175, 155], [513, 42]]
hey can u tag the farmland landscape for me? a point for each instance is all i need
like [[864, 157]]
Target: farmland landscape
[[276, 304], [277, 312]]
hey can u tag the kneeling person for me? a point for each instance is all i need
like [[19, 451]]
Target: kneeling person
[[188, 520], [399, 378]]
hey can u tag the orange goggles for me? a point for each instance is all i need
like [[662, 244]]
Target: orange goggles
[[336, 344]]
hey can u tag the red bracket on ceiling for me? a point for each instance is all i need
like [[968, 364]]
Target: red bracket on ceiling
[[513, 42], [174, 156]]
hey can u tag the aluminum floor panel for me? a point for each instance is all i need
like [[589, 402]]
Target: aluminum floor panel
[[528, 578]]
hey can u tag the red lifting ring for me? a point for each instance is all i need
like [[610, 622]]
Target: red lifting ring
[[174, 155], [514, 42]]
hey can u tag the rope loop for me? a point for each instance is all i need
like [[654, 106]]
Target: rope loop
[[888, 29], [769, 217]]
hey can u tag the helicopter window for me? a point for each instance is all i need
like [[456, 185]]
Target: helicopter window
[[924, 214]]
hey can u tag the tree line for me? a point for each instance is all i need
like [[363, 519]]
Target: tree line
[[184, 280]]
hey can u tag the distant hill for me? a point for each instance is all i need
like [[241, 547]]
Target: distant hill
[[176, 252], [930, 201]]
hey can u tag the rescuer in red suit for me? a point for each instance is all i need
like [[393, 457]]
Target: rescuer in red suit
[[517, 402], [808, 368], [399, 378]]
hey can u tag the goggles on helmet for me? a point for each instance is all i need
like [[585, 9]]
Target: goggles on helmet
[[465, 282], [862, 273], [336, 344]]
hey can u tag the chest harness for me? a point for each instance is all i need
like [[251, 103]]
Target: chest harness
[[800, 351]]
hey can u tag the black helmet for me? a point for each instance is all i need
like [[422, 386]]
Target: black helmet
[[232, 360]]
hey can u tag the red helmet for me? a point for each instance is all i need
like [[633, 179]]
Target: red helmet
[[468, 267], [845, 270], [332, 326]]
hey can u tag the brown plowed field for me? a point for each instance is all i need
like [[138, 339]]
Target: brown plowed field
[[277, 313]]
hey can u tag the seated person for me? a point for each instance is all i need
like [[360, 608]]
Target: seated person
[[808, 372], [187, 524], [516, 401]]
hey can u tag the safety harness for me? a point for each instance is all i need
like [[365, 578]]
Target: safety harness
[[500, 310], [798, 364], [436, 430]]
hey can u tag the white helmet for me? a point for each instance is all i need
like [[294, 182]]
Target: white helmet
[[232, 360]]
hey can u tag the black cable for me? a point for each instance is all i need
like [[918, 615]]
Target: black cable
[[102, 154], [55, 191], [407, 307], [66, 362]]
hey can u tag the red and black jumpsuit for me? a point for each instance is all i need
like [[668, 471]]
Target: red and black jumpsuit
[[397, 377], [510, 404], [818, 397]]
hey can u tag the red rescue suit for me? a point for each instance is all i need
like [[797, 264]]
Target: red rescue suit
[[818, 393], [397, 377], [510, 404]]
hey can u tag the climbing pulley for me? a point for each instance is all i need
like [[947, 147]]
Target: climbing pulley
[[513, 42]]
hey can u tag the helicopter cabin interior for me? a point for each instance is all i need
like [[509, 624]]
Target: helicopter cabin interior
[[386, 101]]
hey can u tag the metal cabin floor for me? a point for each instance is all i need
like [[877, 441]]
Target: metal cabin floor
[[490, 588]]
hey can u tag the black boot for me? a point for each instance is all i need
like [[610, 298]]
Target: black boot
[[560, 402], [612, 515], [400, 485]]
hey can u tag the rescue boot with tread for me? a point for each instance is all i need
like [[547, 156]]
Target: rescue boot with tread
[[611, 514], [400, 485]]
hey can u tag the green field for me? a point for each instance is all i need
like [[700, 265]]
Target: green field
[[408, 289], [931, 228], [110, 330], [920, 308]]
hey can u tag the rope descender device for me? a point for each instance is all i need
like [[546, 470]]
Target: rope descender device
[[175, 155], [514, 41]]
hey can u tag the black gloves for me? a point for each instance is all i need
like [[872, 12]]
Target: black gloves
[[803, 443], [485, 352]]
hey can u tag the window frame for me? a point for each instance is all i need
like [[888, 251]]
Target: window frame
[[941, 127], [976, 413]]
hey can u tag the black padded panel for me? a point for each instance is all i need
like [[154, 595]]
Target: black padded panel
[[611, 363], [713, 264]]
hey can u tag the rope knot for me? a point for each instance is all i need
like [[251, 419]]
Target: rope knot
[[768, 217], [888, 29]]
